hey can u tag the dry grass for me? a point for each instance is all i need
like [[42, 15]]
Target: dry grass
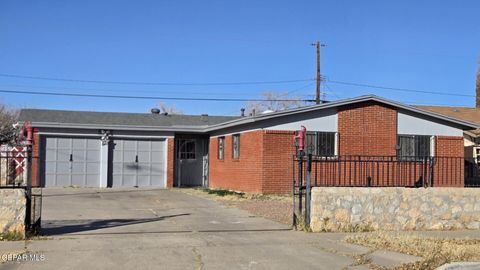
[[435, 251], [11, 236]]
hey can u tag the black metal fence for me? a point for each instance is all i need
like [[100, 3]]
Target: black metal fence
[[16, 173], [390, 171], [472, 172]]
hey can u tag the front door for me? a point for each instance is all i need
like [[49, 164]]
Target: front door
[[191, 162]]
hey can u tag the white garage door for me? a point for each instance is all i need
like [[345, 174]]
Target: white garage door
[[72, 162], [138, 163]]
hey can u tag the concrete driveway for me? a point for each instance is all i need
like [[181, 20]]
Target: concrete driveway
[[168, 229]]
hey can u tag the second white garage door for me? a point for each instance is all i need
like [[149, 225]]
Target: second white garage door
[[138, 163]]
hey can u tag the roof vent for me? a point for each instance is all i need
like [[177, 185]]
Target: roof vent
[[204, 114], [456, 110], [155, 111]]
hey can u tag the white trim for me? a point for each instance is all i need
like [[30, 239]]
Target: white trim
[[103, 165], [70, 134], [198, 129], [100, 135], [432, 146], [232, 133], [336, 144], [141, 137], [165, 180]]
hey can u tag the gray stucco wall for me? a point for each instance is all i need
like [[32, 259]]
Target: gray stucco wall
[[324, 120], [12, 210], [415, 124], [327, 120], [354, 209]]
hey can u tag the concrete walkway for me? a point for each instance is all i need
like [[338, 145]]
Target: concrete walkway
[[168, 229]]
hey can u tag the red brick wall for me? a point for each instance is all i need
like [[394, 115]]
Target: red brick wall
[[277, 163], [367, 129], [446, 146], [170, 161], [244, 174], [449, 168]]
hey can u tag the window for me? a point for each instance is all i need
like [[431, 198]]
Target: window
[[236, 146], [221, 147], [186, 149], [414, 147], [321, 143]]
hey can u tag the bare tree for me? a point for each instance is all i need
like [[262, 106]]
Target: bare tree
[[274, 101], [170, 109], [8, 118]]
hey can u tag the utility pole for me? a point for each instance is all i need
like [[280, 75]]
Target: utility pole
[[319, 78]]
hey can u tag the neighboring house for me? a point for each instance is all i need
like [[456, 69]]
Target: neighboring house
[[252, 153], [471, 137]]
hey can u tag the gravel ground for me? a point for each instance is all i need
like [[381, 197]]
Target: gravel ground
[[274, 207]]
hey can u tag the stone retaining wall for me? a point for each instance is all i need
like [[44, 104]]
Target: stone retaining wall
[[359, 209], [12, 210]]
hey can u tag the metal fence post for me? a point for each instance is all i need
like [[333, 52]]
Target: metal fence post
[[308, 190], [300, 182], [28, 191]]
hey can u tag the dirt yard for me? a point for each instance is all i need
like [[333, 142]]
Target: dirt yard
[[274, 207]]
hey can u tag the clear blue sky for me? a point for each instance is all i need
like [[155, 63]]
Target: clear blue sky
[[425, 45]]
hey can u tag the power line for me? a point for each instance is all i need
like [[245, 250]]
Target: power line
[[151, 83], [399, 89], [140, 97], [110, 90], [301, 88], [413, 103], [190, 92]]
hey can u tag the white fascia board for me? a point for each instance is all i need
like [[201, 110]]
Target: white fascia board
[[196, 129]]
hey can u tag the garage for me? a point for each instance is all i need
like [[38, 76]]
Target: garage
[[138, 163], [72, 162], [117, 149]]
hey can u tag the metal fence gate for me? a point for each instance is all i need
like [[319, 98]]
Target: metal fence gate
[[302, 191], [16, 173]]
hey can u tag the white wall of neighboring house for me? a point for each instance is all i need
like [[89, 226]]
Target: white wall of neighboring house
[[470, 145]]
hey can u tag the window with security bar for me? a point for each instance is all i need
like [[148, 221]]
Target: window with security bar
[[236, 146], [221, 147], [187, 149], [414, 147], [321, 143]]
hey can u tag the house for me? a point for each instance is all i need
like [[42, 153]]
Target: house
[[253, 154], [471, 137]]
